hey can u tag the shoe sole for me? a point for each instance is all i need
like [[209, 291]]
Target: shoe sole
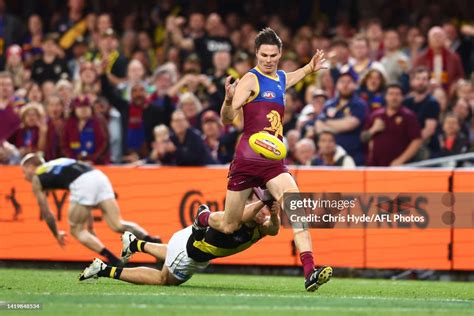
[[323, 277]]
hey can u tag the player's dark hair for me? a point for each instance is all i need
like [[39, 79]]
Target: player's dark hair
[[267, 36]]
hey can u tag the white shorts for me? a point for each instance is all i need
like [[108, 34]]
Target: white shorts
[[91, 188], [177, 260]]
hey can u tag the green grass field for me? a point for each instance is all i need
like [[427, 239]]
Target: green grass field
[[62, 294]]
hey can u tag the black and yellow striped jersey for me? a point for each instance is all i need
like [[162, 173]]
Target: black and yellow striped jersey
[[59, 173], [216, 244]]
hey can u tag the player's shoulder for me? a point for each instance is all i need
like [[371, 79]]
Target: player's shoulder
[[249, 78]]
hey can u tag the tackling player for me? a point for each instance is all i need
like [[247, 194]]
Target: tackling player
[[88, 188], [184, 255]]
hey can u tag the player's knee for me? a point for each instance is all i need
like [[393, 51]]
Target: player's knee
[[229, 228], [75, 231], [118, 228]]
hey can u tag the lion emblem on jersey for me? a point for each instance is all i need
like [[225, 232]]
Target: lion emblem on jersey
[[275, 123]]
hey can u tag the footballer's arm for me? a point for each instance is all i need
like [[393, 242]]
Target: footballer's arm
[[46, 213], [271, 226], [315, 64]]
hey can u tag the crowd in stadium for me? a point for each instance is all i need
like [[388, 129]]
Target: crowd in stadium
[[85, 85]]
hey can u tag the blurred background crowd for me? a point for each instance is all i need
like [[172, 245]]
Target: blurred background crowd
[[114, 82]]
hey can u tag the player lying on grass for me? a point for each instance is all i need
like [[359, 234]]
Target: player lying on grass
[[184, 255], [88, 188]]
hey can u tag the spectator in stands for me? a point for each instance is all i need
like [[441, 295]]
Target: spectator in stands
[[339, 53], [56, 122], [310, 112], [345, 115], [32, 43], [331, 154], [190, 148], [111, 122], [305, 151], [74, 16], [414, 43], [8, 116], [12, 30], [110, 58], [444, 65], [451, 140], [292, 105], [464, 112], [395, 62], [191, 107], [221, 62], [241, 64], [375, 37], [463, 89], [393, 132], [83, 138], [160, 100], [88, 83], [31, 136], [292, 137], [51, 66], [372, 88], [204, 44], [221, 145], [460, 41], [9, 154], [425, 107], [163, 148], [441, 97], [64, 90], [135, 74], [360, 61], [15, 66], [34, 93]]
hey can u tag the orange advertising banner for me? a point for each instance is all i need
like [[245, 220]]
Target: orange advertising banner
[[164, 199]]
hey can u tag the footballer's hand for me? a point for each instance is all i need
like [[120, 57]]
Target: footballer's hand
[[318, 60], [230, 88], [61, 238], [275, 209]]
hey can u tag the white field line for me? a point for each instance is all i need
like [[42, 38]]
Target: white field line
[[266, 307], [447, 300]]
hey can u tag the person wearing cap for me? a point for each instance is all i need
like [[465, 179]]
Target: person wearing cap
[[221, 145], [31, 136], [345, 115], [310, 112], [50, 67], [84, 138]]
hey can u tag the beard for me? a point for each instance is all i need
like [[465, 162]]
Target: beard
[[421, 89]]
